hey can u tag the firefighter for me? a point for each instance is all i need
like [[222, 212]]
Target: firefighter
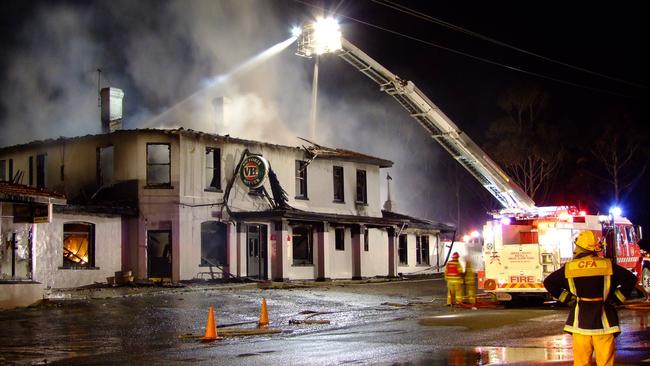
[[454, 278], [591, 286], [470, 282]]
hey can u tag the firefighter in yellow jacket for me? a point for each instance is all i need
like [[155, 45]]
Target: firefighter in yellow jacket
[[592, 286], [470, 282], [454, 278]]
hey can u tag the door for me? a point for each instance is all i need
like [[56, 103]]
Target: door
[[256, 251], [159, 255]]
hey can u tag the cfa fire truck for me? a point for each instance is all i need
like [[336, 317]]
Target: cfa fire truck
[[522, 243]]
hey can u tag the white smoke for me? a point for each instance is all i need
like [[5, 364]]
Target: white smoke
[[166, 56]]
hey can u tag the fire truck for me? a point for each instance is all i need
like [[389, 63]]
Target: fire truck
[[522, 243]]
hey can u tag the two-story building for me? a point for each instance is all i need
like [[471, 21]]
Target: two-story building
[[176, 204]]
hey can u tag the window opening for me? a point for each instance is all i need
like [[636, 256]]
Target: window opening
[[212, 168], [78, 245], [366, 240], [158, 165], [337, 173], [41, 170], [339, 234], [214, 238], [422, 249], [301, 179], [361, 187], [302, 245], [402, 250], [105, 166]]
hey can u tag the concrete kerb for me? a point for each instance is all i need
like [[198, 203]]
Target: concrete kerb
[[101, 291]]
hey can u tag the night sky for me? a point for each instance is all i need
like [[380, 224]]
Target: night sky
[[160, 52]]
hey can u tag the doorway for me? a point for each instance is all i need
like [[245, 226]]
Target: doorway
[[159, 255], [256, 249]]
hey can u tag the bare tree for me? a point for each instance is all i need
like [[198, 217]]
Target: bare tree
[[618, 151], [523, 142]]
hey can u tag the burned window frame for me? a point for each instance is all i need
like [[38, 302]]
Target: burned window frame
[[90, 264], [301, 180], [168, 183], [213, 173]]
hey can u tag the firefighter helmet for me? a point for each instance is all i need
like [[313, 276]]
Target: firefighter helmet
[[587, 241], [455, 256]]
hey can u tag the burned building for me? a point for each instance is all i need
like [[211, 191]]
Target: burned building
[[176, 204]]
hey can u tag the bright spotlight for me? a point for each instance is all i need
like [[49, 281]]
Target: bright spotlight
[[296, 31], [475, 234], [616, 211], [322, 36], [327, 35]]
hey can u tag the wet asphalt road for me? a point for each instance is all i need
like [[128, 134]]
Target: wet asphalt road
[[372, 323]]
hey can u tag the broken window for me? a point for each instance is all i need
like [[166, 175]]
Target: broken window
[[105, 166], [3, 169], [337, 173], [301, 179], [422, 249], [402, 251], [15, 250], [78, 245], [302, 245], [362, 196], [212, 168], [213, 243], [41, 170], [339, 234], [158, 165]]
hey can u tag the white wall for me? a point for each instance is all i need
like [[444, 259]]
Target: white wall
[[374, 262], [48, 252]]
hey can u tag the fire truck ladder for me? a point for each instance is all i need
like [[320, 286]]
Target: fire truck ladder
[[441, 128]]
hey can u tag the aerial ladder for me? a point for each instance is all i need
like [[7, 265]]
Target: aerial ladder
[[431, 118]]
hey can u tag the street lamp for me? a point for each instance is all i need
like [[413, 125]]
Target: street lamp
[[317, 38]]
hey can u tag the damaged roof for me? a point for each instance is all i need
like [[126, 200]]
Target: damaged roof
[[388, 219], [314, 149], [10, 192]]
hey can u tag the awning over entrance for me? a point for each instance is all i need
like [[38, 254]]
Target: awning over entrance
[[388, 219]]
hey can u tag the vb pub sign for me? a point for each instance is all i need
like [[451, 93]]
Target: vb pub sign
[[254, 170]]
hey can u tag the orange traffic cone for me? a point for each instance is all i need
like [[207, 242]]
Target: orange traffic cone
[[264, 316], [210, 328]]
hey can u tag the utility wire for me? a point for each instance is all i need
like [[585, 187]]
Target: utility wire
[[423, 16], [472, 56]]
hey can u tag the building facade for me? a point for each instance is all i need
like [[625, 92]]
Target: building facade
[[174, 205]]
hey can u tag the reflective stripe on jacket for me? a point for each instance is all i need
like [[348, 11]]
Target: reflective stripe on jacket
[[453, 270], [596, 284]]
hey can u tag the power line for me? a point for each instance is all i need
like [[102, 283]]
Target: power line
[[482, 59], [426, 17]]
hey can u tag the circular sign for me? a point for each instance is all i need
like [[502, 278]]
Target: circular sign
[[254, 170]]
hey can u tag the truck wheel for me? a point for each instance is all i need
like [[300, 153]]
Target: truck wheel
[[645, 279]]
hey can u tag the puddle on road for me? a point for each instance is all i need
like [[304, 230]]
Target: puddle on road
[[555, 350]]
